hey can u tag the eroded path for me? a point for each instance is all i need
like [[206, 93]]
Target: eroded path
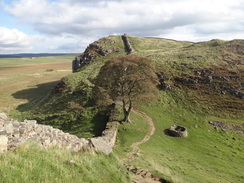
[[141, 175], [135, 150]]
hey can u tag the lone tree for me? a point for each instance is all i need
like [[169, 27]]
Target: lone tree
[[126, 79]]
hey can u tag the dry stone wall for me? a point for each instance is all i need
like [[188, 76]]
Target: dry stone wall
[[14, 133], [127, 44]]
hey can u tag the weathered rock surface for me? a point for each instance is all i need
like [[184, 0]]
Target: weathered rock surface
[[3, 143], [3, 116], [14, 133], [224, 126], [93, 51]]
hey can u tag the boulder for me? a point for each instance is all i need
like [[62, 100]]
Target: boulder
[[101, 145], [3, 143], [3, 116]]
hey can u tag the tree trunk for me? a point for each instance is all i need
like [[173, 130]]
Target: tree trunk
[[126, 116], [127, 112]]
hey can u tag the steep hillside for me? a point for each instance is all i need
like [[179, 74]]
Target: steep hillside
[[206, 77], [201, 88], [212, 73], [70, 105]]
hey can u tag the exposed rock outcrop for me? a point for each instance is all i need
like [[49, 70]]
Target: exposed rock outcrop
[[93, 51], [220, 79], [229, 127]]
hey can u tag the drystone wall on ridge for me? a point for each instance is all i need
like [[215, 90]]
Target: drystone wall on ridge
[[127, 44], [14, 133]]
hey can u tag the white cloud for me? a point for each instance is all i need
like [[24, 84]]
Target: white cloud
[[13, 40], [92, 19], [142, 17], [61, 44]]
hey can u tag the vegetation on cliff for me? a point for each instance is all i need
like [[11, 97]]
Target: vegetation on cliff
[[198, 82]]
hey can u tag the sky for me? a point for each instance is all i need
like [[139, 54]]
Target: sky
[[69, 26]]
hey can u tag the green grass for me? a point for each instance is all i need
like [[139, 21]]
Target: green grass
[[31, 163], [71, 108], [136, 131], [177, 57], [206, 155]]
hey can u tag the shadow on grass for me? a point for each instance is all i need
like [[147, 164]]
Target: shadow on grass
[[34, 94], [57, 113], [79, 126], [91, 128]]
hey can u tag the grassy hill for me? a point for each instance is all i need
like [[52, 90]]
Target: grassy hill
[[32, 163], [199, 82]]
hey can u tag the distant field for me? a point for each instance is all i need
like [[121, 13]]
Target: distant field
[[24, 80], [10, 62]]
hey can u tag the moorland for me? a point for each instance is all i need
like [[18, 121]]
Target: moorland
[[201, 88]]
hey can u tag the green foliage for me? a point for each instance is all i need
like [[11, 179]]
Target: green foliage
[[126, 79], [31, 163]]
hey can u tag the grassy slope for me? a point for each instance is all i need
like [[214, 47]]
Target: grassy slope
[[25, 85], [182, 59], [70, 106], [208, 154], [31, 163]]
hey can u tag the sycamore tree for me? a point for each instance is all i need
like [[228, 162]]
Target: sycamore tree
[[126, 79]]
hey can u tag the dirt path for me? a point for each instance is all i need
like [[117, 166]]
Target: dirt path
[[141, 175], [135, 150]]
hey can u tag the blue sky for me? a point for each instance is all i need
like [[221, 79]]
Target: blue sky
[[68, 26]]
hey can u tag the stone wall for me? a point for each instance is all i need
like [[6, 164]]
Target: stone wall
[[127, 44], [14, 133]]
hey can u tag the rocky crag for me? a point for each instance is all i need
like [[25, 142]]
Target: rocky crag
[[96, 50], [92, 52]]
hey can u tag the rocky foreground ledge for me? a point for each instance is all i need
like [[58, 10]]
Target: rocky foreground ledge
[[14, 133]]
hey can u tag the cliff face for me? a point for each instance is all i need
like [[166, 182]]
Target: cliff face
[[93, 51]]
